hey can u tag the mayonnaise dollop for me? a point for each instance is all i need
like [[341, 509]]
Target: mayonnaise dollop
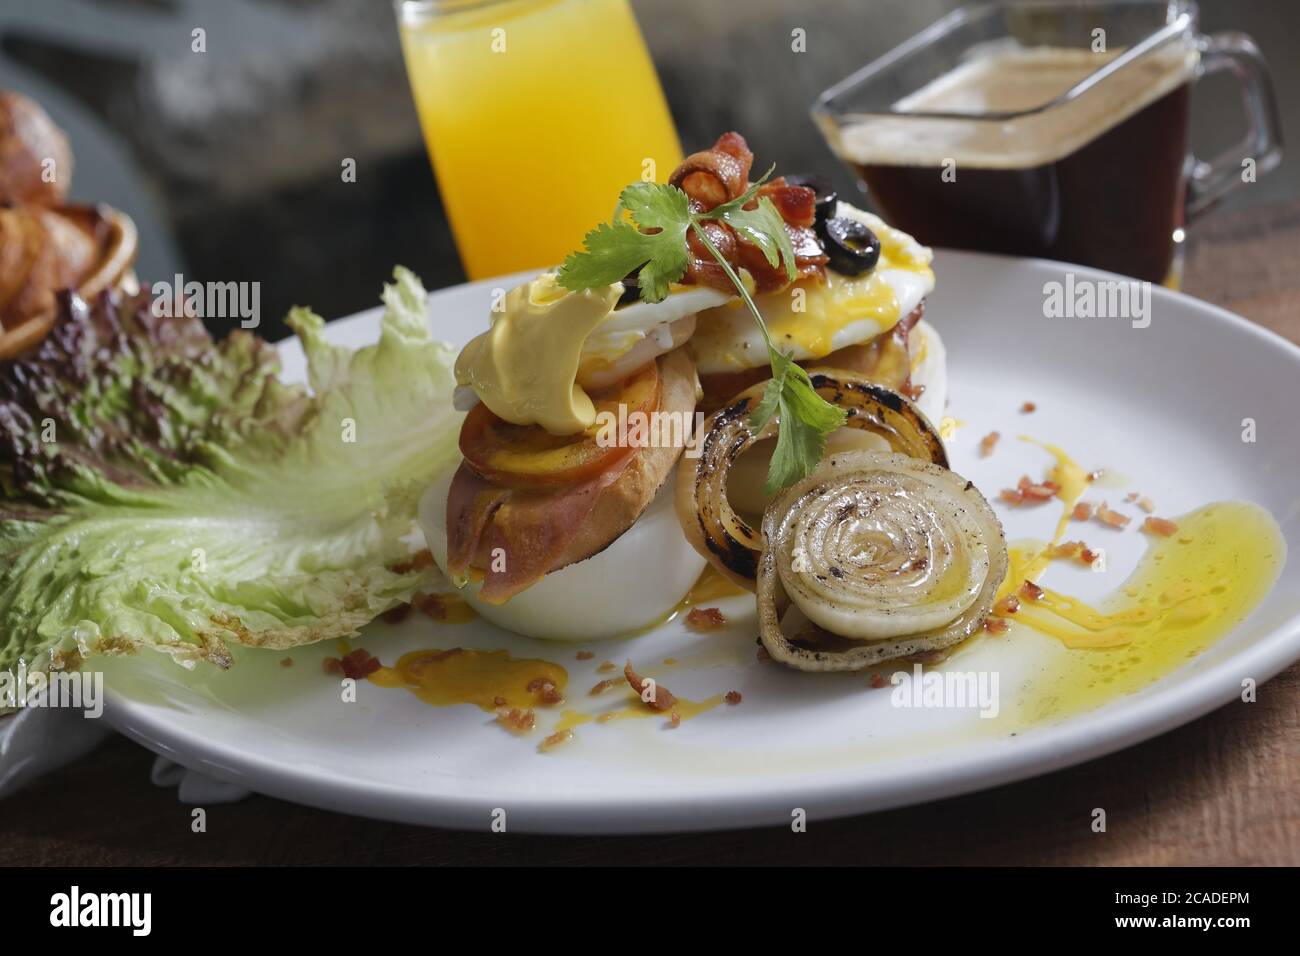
[[525, 367]]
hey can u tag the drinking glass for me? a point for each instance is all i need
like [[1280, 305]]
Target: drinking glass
[[535, 114]]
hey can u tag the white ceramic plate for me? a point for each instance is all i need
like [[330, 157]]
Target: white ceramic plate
[[1163, 404]]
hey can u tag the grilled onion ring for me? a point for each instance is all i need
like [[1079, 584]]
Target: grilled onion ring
[[713, 527], [885, 555]]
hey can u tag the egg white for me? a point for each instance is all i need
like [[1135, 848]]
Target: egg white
[[931, 371], [627, 325], [630, 585]]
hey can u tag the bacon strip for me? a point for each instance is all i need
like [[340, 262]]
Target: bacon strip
[[531, 527], [809, 260], [796, 204], [715, 175], [720, 174]]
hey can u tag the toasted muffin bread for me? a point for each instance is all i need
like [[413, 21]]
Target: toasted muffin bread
[[622, 502]]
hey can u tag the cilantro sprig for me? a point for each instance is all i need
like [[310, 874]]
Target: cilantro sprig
[[653, 238]]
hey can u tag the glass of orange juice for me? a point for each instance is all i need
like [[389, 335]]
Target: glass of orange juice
[[535, 113]]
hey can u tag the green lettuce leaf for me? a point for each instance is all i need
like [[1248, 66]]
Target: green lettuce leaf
[[159, 490]]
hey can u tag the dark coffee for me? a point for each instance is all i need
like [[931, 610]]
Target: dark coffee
[[1099, 183]]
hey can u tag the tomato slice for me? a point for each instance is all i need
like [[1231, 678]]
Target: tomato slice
[[528, 454]]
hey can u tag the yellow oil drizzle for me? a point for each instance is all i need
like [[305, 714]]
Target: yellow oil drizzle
[[1189, 590], [573, 718], [1073, 483], [709, 586], [1187, 587], [487, 679]]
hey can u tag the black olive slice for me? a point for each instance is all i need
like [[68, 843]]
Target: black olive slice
[[851, 247]]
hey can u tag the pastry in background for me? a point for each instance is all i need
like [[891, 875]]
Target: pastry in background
[[46, 245], [30, 144]]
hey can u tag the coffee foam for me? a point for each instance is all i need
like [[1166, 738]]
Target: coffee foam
[[1013, 80]]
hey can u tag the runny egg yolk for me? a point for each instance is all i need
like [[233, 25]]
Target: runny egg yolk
[[812, 318], [828, 307]]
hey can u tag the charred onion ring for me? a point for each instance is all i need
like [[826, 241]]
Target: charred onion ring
[[884, 555], [713, 527]]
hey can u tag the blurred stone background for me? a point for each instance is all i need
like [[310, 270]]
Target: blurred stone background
[[229, 160]]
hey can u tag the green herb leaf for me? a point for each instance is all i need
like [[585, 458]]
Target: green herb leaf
[[614, 249], [805, 421], [657, 206]]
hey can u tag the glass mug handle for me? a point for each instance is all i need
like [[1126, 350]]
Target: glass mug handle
[[1210, 181]]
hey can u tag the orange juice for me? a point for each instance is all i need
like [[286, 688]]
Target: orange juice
[[536, 113]]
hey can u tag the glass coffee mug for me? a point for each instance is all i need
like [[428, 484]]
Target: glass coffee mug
[[1053, 129]]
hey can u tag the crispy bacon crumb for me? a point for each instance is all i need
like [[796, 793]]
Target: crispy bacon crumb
[[1028, 407], [1029, 492], [1031, 591], [356, 665], [674, 719], [603, 686], [431, 604], [1067, 549], [733, 697], [1159, 526], [1147, 505], [1131, 497], [1008, 605], [762, 654], [286, 662], [988, 443], [1076, 551], [585, 655], [996, 625], [705, 619], [559, 738], [396, 615], [1082, 511], [1042, 490], [912, 390], [498, 701], [878, 680], [516, 720], [1097, 474], [1112, 519], [606, 666], [548, 695], [661, 698]]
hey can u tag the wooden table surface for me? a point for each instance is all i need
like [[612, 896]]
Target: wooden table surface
[[1224, 789]]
